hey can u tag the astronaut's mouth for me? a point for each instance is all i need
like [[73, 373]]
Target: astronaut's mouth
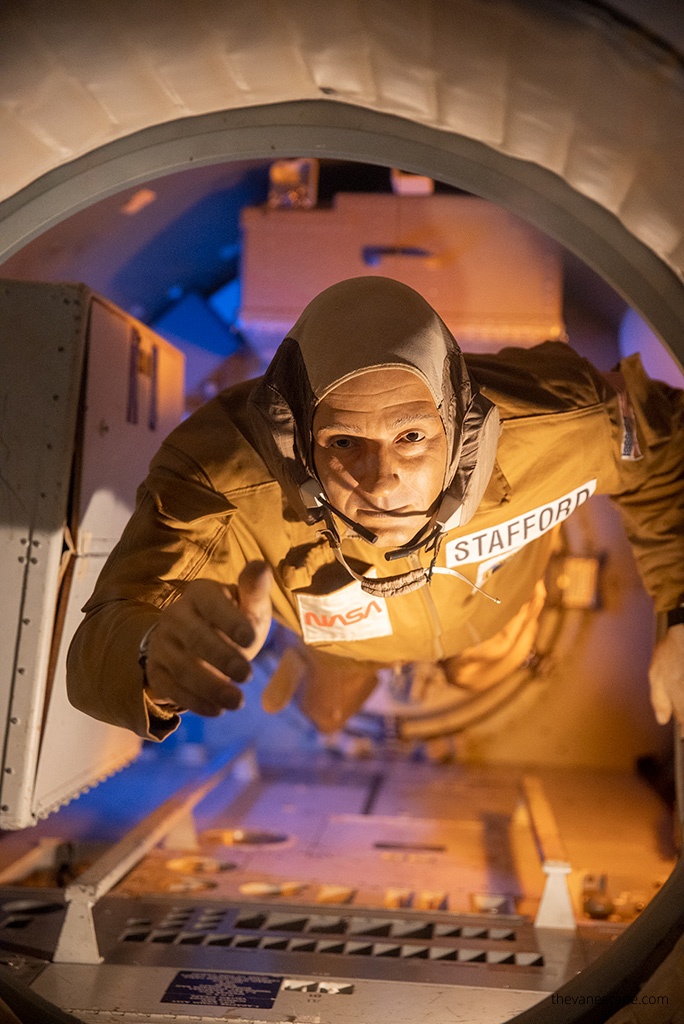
[[389, 513]]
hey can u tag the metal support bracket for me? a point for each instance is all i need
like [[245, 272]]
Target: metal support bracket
[[555, 908], [77, 943], [183, 835]]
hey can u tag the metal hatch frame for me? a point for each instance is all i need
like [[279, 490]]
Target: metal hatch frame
[[337, 130], [331, 129]]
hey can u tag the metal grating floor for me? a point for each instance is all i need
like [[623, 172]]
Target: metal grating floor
[[167, 957], [339, 935]]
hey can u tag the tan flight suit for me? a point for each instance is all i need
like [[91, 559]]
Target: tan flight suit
[[209, 506]]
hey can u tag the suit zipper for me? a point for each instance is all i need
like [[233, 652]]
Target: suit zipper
[[438, 654]]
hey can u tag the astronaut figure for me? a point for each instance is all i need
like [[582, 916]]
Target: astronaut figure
[[388, 499]]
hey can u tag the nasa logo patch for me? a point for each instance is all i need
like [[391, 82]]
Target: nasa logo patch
[[347, 614]]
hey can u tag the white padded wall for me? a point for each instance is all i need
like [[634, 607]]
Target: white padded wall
[[551, 83]]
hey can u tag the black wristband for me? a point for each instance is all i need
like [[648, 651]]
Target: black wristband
[[675, 616]]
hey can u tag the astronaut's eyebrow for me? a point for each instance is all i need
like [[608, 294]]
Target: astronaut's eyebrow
[[412, 418], [408, 419]]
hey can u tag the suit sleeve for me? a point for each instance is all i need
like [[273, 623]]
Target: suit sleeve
[[648, 420], [170, 537]]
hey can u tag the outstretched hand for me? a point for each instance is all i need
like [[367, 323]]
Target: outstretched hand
[[203, 643], [666, 676]]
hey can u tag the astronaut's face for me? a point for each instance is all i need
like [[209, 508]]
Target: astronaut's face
[[380, 452]]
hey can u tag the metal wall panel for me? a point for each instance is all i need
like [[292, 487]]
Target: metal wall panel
[[492, 278], [68, 479]]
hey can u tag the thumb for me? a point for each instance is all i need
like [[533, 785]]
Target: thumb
[[254, 594], [660, 699]]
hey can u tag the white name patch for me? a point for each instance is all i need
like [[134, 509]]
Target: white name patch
[[348, 614], [507, 537]]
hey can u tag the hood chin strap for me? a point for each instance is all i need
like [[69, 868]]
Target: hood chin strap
[[402, 583]]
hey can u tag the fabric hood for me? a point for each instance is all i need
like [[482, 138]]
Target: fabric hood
[[371, 323]]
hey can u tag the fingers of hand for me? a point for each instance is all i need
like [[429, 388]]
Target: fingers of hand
[[193, 684], [203, 643], [191, 659], [212, 603], [666, 675], [660, 699], [192, 630]]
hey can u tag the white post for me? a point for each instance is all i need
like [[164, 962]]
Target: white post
[[555, 908], [77, 942]]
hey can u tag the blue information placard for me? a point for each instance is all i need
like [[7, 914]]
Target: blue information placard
[[222, 988]]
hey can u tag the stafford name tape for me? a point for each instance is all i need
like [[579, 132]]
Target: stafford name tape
[[347, 614], [509, 536]]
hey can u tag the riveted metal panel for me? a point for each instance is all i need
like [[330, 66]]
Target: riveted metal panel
[[87, 396]]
